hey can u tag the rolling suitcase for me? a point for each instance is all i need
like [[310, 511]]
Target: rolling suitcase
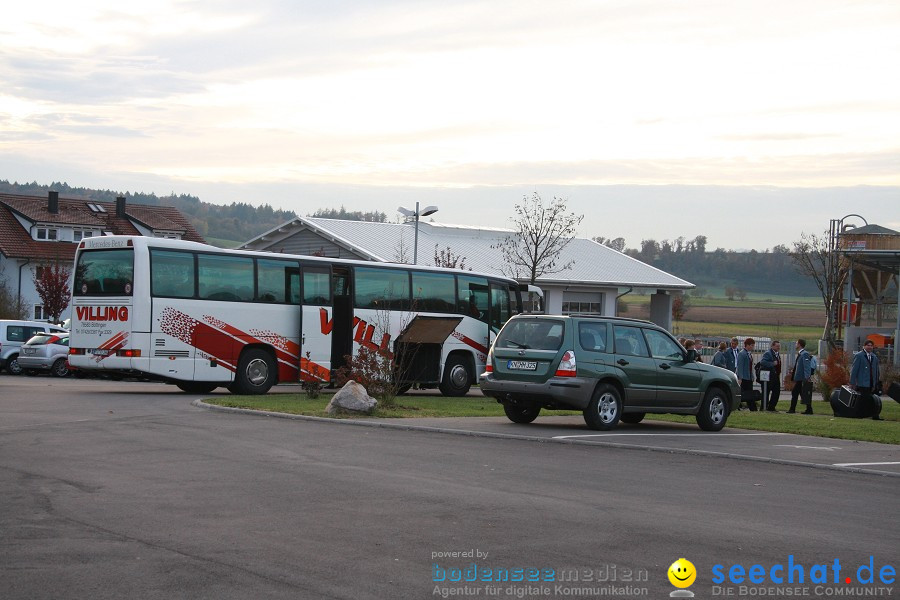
[[849, 398]]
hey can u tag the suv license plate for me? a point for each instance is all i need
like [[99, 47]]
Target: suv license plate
[[100, 352], [521, 365]]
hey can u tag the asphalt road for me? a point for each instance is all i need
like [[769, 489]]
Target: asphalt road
[[127, 490]]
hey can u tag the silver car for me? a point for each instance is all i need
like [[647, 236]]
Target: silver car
[[46, 351]]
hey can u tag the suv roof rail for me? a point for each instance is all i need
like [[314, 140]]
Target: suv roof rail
[[623, 319]]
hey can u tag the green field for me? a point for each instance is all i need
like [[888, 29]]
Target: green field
[[752, 301]]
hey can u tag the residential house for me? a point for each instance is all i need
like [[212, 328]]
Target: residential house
[[37, 231]]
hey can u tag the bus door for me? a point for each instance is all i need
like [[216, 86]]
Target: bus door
[[475, 301], [501, 294], [342, 316], [316, 323]]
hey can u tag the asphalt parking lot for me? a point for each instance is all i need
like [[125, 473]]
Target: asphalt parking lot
[[129, 490]]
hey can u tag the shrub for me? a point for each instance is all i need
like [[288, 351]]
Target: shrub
[[836, 371], [374, 370]]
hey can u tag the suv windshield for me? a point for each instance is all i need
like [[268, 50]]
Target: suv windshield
[[532, 334]]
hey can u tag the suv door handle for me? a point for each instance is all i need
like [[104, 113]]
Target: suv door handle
[[665, 366], [622, 362]]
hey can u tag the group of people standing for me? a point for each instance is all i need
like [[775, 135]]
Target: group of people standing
[[741, 363], [865, 374]]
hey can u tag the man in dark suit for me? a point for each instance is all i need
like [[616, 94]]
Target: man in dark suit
[[865, 378], [731, 355], [771, 362], [745, 374], [802, 373]]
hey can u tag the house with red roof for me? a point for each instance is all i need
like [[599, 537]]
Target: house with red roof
[[37, 231]]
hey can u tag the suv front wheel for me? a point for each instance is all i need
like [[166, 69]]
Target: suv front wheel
[[520, 412], [605, 409]]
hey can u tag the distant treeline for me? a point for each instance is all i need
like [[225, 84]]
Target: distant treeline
[[754, 272]]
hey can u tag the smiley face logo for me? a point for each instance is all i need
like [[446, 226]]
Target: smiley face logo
[[682, 573]]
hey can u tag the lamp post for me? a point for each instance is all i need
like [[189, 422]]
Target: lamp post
[[428, 210]]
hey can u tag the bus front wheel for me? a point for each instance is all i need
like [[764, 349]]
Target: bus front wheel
[[457, 379], [196, 387], [255, 374]]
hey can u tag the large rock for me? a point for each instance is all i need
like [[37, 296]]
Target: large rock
[[352, 398]]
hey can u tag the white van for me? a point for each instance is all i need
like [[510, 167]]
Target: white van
[[15, 333]]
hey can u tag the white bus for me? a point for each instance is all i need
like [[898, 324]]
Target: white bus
[[202, 317]]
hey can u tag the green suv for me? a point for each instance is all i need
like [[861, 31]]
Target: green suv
[[610, 368]]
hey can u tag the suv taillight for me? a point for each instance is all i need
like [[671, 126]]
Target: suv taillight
[[567, 365], [489, 365]]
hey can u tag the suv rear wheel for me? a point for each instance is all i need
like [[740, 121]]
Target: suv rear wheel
[[521, 412], [605, 409], [633, 418], [713, 410]]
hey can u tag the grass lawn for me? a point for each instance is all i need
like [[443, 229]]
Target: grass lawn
[[821, 424]]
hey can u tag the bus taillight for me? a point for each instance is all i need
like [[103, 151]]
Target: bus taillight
[[128, 353]]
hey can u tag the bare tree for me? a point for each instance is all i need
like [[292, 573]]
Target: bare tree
[[542, 232], [10, 304], [448, 259], [814, 257], [401, 251]]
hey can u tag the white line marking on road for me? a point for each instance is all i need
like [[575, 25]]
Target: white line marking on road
[[563, 437], [829, 448], [864, 464]]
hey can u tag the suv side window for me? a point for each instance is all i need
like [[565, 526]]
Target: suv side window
[[629, 341], [592, 336], [662, 346]]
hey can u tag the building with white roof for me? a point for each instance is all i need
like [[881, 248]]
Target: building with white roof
[[597, 277]]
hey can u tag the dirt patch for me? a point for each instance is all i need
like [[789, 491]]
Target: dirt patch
[[774, 316]]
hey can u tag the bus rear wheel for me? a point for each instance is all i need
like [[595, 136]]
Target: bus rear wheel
[[196, 387], [255, 374], [457, 379]]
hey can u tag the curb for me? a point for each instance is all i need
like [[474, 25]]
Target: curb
[[531, 438]]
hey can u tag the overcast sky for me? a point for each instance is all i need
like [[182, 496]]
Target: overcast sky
[[746, 121]]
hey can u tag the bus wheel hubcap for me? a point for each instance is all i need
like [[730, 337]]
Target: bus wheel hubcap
[[257, 371], [459, 376]]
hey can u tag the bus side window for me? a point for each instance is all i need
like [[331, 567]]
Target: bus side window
[[292, 283], [433, 292], [473, 297], [272, 280], [317, 286], [172, 274]]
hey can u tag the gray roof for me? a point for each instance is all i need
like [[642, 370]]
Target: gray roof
[[593, 263], [871, 230]]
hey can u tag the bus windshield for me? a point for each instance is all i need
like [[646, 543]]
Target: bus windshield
[[104, 273]]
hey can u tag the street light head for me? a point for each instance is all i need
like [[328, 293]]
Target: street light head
[[406, 212], [428, 210]]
